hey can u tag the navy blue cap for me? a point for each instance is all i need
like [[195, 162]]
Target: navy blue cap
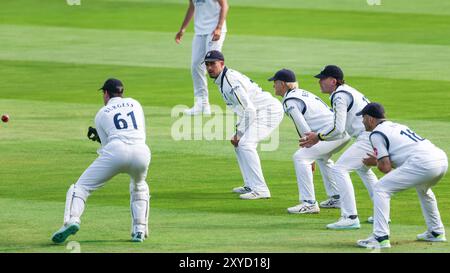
[[331, 71], [112, 85], [284, 75], [214, 55], [372, 109]]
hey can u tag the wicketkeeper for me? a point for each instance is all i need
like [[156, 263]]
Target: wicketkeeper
[[120, 127]]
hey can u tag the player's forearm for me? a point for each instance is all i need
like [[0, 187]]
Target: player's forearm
[[188, 16], [384, 165], [246, 121], [337, 130], [299, 121], [223, 13]]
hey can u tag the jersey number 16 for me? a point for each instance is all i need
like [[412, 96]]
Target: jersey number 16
[[122, 123], [413, 136]]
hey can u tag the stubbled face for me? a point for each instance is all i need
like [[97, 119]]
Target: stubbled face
[[369, 122], [328, 85], [214, 68], [279, 88]]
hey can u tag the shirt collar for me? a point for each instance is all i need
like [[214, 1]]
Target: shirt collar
[[219, 79], [113, 100]]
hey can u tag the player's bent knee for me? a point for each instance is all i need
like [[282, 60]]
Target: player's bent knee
[[339, 169], [81, 191], [297, 156], [381, 190], [139, 187]]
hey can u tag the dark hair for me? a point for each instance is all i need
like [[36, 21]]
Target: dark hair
[[116, 93], [339, 82]]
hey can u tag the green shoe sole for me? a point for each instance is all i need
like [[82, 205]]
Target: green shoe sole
[[61, 236], [344, 228]]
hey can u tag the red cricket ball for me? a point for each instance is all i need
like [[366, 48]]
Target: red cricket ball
[[5, 118]]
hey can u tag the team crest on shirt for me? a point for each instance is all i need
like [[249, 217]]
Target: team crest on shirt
[[290, 108], [234, 89]]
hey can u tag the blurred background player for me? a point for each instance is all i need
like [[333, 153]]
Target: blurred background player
[[309, 113], [417, 162], [346, 102], [210, 31], [259, 115], [121, 131]]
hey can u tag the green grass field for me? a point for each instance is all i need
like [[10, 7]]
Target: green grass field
[[53, 58]]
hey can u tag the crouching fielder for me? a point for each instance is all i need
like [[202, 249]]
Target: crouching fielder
[[259, 115], [121, 131], [309, 113], [417, 162]]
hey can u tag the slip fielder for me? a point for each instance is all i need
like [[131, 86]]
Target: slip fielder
[[346, 102], [408, 160], [259, 115]]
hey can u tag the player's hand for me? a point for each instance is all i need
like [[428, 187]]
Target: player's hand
[[93, 135], [216, 34], [179, 36], [371, 160], [235, 140], [310, 139], [313, 166]]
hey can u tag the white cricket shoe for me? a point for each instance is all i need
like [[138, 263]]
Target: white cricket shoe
[[373, 243], [198, 110], [206, 110], [255, 195], [331, 203], [431, 237], [242, 190], [345, 223], [304, 208], [65, 231], [138, 237], [370, 220]]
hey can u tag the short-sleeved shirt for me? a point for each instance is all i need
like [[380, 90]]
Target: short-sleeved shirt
[[399, 142], [206, 16]]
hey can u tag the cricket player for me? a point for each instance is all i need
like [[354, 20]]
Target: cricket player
[[408, 160], [121, 131], [210, 31], [346, 102], [259, 114], [309, 113]]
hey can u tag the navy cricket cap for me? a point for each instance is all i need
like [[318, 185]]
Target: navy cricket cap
[[214, 55], [372, 109], [331, 71], [284, 75], [112, 85]]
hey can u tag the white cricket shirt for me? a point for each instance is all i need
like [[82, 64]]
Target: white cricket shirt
[[122, 119], [206, 16]]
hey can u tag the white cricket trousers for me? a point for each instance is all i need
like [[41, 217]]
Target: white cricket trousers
[[321, 153], [116, 157], [349, 161], [267, 120], [419, 171], [201, 44]]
